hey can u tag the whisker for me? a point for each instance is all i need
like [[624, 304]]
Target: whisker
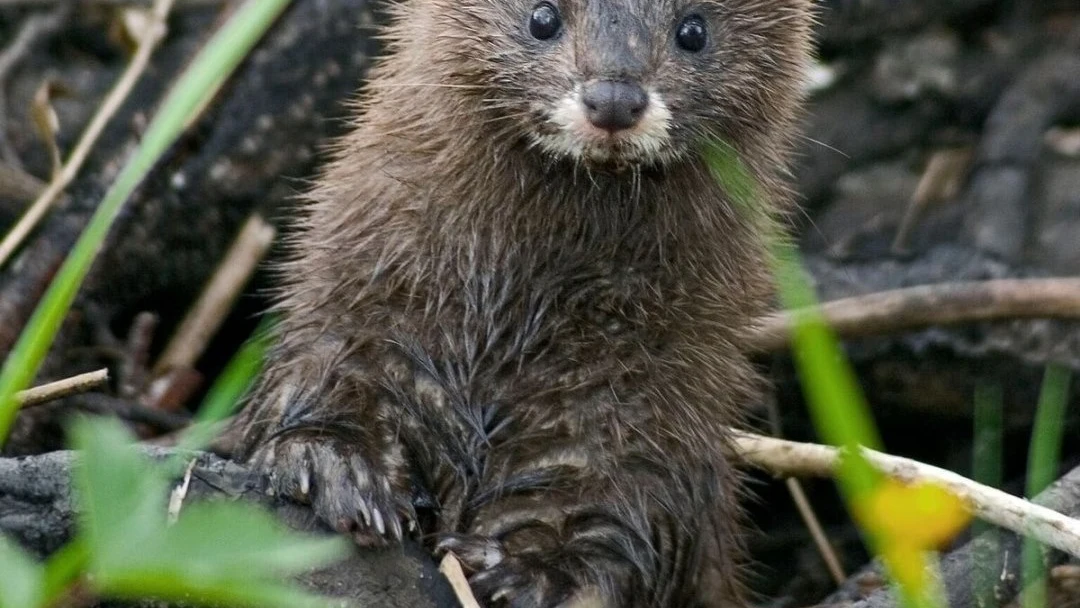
[[435, 85], [824, 145]]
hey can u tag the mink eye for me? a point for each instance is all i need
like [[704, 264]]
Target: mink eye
[[544, 24], [692, 34]]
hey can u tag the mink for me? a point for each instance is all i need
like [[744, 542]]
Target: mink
[[512, 313]]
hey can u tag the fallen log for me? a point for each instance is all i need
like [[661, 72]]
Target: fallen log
[[37, 511]]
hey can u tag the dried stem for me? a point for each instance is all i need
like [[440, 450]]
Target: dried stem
[[451, 569], [821, 541], [942, 180], [939, 304], [789, 458], [62, 388], [217, 299]]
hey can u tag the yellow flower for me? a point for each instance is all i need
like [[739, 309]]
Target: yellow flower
[[909, 520]]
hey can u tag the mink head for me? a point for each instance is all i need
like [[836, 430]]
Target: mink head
[[624, 81]]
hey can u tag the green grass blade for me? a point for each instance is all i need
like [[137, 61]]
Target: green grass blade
[[63, 567], [230, 387], [207, 72], [986, 456], [833, 395], [216, 550], [21, 578], [1044, 458]]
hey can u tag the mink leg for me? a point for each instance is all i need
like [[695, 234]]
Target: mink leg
[[321, 439], [619, 540], [347, 488]]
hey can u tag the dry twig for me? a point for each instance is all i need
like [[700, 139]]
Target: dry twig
[[62, 388], [148, 41], [216, 300], [451, 569], [942, 180], [817, 533], [135, 360], [940, 304], [789, 458], [179, 493], [805, 509]]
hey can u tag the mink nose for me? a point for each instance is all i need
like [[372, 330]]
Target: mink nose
[[614, 106]]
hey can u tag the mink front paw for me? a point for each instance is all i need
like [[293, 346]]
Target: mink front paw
[[343, 486], [528, 580]]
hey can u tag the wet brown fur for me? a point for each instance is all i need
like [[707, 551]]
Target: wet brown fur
[[544, 354]]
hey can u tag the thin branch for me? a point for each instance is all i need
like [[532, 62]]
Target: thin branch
[[942, 180], [78, 386], [789, 458], [802, 504], [62, 388], [451, 569], [817, 533], [134, 368], [217, 299], [148, 41], [939, 304]]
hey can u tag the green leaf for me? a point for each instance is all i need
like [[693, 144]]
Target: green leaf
[[833, 395], [122, 500], [229, 542], [261, 594], [21, 578], [223, 553], [840, 414], [986, 462], [234, 553], [63, 567], [1044, 458]]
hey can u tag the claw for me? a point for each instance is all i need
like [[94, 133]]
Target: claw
[[365, 511], [380, 525], [305, 482], [305, 473], [341, 486]]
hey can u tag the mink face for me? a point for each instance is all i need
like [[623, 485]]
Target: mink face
[[624, 81]]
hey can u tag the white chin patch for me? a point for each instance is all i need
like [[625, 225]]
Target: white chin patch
[[577, 138]]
